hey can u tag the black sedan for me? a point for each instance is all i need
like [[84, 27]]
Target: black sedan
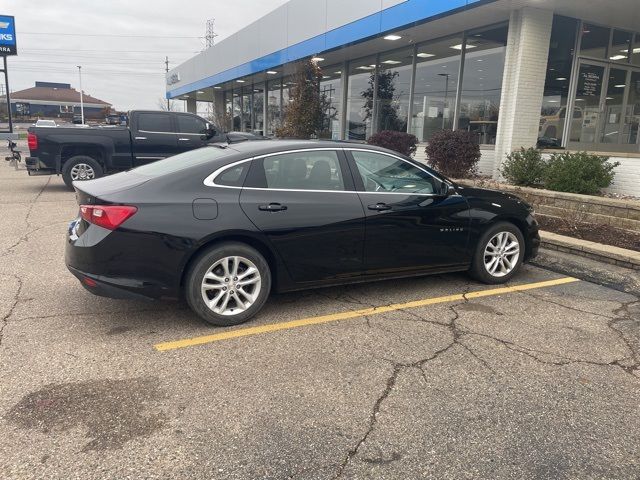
[[223, 226]]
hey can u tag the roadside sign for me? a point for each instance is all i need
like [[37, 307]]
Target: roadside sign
[[8, 44]]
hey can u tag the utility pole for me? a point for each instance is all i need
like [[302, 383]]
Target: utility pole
[[166, 69], [81, 95], [210, 35]]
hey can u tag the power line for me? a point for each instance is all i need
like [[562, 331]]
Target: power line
[[119, 35], [133, 62]]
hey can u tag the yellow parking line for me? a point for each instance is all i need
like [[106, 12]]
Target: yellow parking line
[[334, 317]]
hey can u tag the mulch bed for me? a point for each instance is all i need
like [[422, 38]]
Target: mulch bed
[[604, 234]]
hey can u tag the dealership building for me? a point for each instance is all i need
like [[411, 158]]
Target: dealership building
[[515, 73]]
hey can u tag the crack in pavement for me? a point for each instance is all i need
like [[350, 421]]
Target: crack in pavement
[[620, 314], [458, 335], [16, 300], [25, 237]]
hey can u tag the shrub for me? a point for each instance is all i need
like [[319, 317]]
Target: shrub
[[454, 153], [400, 142], [579, 172], [524, 167]]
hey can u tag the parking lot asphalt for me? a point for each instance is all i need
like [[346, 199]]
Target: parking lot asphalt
[[417, 378]]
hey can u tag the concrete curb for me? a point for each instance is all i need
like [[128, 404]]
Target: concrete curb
[[596, 251]]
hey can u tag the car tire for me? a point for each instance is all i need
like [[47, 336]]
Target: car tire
[[80, 167], [246, 292], [494, 261]]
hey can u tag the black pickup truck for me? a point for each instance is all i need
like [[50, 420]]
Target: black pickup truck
[[84, 153]]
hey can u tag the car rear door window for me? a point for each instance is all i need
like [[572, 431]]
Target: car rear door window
[[155, 122], [191, 125], [311, 170], [383, 173], [233, 176]]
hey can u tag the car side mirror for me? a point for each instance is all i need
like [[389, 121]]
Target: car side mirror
[[447, 189], [211, 131]]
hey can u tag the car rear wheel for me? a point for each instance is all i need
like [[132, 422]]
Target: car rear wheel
[[499, 254], [80, 168], [228, 284]]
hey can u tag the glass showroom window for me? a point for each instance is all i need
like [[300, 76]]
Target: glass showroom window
[[258, 110], [394, 86], [247, 93], [482, 83], [273, 107], [635, 52], [595, 41], [437, 69], [556, 87], [620, 46], [331, 96], [237, 111], [360, 87], [227, 122]]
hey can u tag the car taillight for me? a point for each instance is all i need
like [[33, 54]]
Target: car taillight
[[32, 141], [107, 216]]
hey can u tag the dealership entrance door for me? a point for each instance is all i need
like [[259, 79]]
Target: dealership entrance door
[[607, 108]]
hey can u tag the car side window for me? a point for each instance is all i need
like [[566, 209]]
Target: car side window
[[383, 173], [192, 125], [312, 170], [233, 176], [155, 122]]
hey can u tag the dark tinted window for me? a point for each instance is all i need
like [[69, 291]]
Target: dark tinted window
[[184, 160], [313, 170], [189, 124], [154, 122], [382, 173], [233, 176]]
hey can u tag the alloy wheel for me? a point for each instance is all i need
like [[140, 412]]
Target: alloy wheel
[[82, 171], [231, 285], [501, 254]]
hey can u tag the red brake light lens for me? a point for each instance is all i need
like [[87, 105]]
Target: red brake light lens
[[107, 216], [32, 141]]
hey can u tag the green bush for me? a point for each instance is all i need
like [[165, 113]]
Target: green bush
[[453, 153], [524, 167], [579, 172]]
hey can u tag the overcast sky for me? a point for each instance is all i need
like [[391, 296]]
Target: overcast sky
[[128, 71]]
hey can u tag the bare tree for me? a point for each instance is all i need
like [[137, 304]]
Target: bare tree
[[167, 106]]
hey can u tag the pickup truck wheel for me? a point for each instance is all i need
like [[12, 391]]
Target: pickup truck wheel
[[80, 168]]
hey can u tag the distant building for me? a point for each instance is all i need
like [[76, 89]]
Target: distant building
[[55, 100]]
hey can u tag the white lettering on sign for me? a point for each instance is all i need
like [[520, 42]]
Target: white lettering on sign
[[6, 36]]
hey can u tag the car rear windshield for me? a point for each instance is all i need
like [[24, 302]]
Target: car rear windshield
[[182, 161]]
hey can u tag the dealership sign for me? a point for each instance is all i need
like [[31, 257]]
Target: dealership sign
[[7, 36], [173, 78]]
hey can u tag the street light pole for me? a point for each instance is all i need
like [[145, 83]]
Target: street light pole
[[81, 96]]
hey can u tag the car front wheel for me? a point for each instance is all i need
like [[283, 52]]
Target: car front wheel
[[499, 254], [228, 284]]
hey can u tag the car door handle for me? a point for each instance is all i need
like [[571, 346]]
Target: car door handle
[[380, 207], [183, 139], [272, 207], [141, 138]]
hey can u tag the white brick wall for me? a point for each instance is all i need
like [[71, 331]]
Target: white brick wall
[[627, 179], [523, 81]]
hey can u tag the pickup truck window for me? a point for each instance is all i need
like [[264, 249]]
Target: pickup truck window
[[154, 122], [192, 125], [184, 160]]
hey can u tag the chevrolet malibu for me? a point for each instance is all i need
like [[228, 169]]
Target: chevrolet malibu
[[223, 226]]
